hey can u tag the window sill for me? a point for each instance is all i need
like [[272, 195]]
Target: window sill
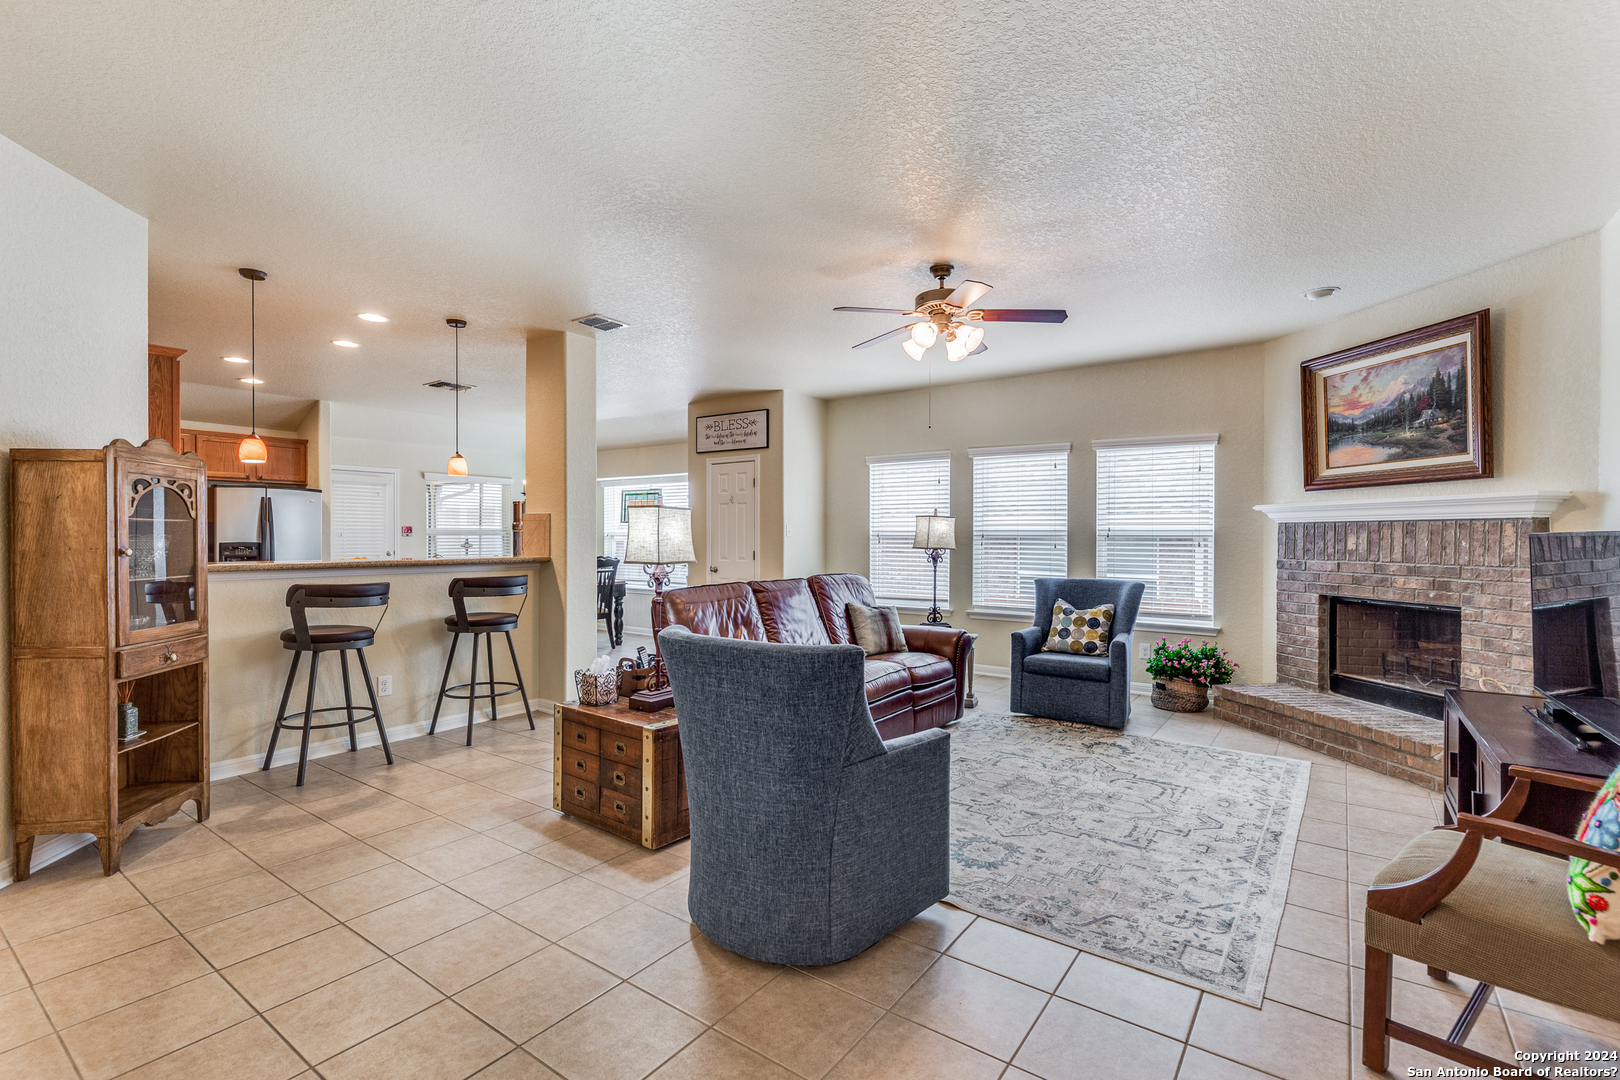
[[1172, 626], [1002, 615]]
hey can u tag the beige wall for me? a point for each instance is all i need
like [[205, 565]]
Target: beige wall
[[1194, 393], [1548, 386], [247, 611], [655, 460], [560, 457], [804, 485], [72, 343], [770, 479], [1609, 367]]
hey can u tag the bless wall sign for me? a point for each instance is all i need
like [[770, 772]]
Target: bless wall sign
[[734, 431]]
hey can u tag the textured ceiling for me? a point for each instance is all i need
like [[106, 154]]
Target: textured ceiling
[[720, 175]]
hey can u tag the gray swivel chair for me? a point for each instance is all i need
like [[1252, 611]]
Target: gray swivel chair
[[1064, 686], [812, 838]]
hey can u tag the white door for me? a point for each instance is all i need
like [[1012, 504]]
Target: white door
[[365, 512], [733, 520]]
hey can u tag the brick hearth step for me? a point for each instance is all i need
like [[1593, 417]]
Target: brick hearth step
[[1395, 743]]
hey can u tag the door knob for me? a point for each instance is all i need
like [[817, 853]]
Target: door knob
[[126, 552], [714, 569]]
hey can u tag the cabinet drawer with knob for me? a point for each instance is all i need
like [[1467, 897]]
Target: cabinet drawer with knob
[[137, 660]]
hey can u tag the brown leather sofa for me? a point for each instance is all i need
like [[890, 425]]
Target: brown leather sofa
[[909, 691]]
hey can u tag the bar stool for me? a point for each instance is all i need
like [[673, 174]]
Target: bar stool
[[488, 623], [315, 640]]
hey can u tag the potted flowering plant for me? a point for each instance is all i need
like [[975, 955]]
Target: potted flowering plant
[[1183, 673]]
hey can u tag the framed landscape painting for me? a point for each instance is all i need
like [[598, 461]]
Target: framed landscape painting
[[1409, 409]]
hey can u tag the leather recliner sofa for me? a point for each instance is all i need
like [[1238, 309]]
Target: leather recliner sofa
[[909, 691]]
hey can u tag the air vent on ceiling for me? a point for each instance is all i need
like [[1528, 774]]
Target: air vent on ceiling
[[446, 384], [599, 322]]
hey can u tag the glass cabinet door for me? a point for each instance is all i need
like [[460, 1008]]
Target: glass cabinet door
[[158, 552]]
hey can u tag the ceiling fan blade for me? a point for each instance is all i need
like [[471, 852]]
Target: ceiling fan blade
[[982, 348], [876, 310], [1048, 315], [967, 293], [883, 337]]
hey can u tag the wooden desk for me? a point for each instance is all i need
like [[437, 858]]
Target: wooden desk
[[1487, 733]]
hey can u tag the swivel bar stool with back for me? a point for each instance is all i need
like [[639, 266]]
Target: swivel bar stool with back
[[488, 623], [317, 639]]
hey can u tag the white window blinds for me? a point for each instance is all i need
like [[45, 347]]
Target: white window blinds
[[1156, 521], [618, 492], [363, 512], [1020, 522], [900, 489], [468, 517]]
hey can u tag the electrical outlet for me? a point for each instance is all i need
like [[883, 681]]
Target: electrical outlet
[[1145, 649], [385, 685]]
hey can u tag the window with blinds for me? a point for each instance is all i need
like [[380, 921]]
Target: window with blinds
[[1020, 522], [1156, 521], [901, 488], [364, 518], [618, 493], [468, 517]]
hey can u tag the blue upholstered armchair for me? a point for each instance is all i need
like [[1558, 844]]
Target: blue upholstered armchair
[[1064, 686], [812, 838]]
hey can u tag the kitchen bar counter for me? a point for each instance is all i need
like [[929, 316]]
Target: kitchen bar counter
[[365, 566]]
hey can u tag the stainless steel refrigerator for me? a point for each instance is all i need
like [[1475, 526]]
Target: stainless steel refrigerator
[[259, 522]]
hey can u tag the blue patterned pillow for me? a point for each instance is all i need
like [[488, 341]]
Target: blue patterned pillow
[[1082, 632]]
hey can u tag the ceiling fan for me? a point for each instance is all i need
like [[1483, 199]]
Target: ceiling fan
[[948, 315]]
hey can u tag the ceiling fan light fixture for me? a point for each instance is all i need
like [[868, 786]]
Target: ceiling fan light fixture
[[955, 350], [923, 334], [970, 337], [913, 350]]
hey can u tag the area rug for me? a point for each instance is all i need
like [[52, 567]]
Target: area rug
[[1170, 858]]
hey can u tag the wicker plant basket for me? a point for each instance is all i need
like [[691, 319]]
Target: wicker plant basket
[[597, 689], [1179, 695]]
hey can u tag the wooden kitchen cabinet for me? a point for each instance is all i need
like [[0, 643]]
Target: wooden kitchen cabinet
[[109, 592], [288, 458]]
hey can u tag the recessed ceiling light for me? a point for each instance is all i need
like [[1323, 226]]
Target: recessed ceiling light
[[250, 379], [1321, 294], [371, 316], [347, 344], [234, 359]]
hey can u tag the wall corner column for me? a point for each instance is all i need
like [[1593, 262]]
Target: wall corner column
[[560, 458]]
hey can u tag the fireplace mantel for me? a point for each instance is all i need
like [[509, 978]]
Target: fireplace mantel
[[1492, 504]]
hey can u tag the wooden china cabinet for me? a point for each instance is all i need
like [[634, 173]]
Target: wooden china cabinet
[[109, 600]]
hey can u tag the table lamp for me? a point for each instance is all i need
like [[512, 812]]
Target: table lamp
[[935, 535], [658, 537]]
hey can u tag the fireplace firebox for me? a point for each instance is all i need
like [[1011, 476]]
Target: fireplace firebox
[[1402, 655]]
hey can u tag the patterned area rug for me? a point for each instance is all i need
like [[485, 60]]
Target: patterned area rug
[[1171, 858]]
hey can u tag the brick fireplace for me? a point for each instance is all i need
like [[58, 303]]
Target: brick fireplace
[[1421, 601]]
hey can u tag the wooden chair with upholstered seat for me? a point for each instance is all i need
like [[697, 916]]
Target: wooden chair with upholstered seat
[[1494, 912]]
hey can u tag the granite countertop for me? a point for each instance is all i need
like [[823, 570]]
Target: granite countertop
[[362, 566]]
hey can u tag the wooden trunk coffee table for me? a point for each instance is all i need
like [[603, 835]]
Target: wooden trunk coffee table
[[620, 770]]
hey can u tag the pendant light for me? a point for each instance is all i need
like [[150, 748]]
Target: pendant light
[[458, 464], [251, 450]]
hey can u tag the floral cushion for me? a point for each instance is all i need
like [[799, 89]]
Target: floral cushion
[[1592, 885], [1083, 632]]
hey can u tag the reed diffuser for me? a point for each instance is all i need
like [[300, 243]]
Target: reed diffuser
[[129, 716]]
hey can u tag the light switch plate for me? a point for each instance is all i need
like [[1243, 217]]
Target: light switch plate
[[385, 685]]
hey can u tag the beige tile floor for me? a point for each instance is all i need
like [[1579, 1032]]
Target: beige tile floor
[[436, 919]]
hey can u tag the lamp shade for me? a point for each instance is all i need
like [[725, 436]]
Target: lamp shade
[[252, 451], [935, 533], [659, 535]]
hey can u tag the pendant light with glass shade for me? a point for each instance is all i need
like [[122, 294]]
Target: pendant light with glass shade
[[251, 450], [458, 464]]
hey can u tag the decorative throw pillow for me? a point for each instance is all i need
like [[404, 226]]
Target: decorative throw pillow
[[876, 629], [1592, 886], [1083, 632]]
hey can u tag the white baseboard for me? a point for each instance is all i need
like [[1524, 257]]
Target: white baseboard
[[636, 631], [49, 849], [288, 755], [992, 671]]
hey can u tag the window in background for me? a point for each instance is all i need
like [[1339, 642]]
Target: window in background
[[619, 493], [365, 514], [1156, 521], [1020, 522], [900, 488], [468, 516]]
